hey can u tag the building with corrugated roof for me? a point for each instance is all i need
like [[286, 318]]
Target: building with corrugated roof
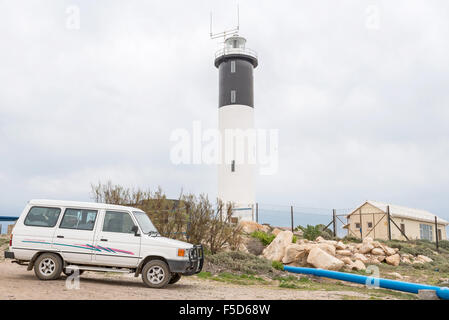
[[371, 220]]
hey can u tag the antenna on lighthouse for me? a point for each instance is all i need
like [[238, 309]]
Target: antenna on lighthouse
[[225, 33]]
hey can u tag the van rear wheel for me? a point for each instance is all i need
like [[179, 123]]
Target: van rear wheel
[[48, 266], [156, 274]]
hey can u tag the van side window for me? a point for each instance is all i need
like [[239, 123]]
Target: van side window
[[42, 217], [79, 219], [118, 222]]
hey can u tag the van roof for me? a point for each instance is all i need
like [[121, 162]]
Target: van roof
[[64, 203]]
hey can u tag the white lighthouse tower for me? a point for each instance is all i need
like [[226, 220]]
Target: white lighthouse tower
[[236, 172]]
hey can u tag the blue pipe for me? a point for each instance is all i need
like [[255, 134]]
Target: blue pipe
[[442, 292]]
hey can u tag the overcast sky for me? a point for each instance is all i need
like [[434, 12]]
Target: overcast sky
[[359, 91]]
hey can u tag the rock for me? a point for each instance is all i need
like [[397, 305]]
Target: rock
[[276, 231], [298, 233], [376, 244], [393, 260], [407, 255], [340, 246], [377, 252], [295, 252], [366, 247], [427, 295], [346, 253], [417, 262], [361, 257], [320, 239], [327, 247], [424, 259], [242, 248], [323, 260], [254, 246], [266, 228], [381, 258], [388, 251], [367, 240], [406, 260], [396, 275], [346, 260], [250, 226], [359, 265], [276, 250], [358, 246]]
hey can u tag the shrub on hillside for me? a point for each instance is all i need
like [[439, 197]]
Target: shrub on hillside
[[265, 238], [240, 262], [312, 232]]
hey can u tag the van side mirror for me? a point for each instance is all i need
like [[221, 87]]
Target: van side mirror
[[135, 229]]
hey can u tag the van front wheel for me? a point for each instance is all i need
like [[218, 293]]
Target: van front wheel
[[156, 274], [48, 266], [175, 278]]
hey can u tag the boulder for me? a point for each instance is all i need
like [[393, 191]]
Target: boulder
[[366, 247], [295, 252], [424, 259], [346, 253], [388, 251], [346, 260], [396, 275], [323, 260], [361, 257], [381, 258], [340, 246], [276, 250], [416, 261], [320, 239], [367, 240], [266, 228], [393, 260], [250, 226], [376, 244], [327, 247], [276, 231], [359, 265], [406, 260], [377, 252], [242, 248]]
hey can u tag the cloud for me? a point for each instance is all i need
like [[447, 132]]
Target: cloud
[[362, 112]]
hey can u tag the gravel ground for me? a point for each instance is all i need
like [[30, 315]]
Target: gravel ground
[[18, 283]]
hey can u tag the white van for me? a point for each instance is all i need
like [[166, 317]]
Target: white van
[[64, 236]]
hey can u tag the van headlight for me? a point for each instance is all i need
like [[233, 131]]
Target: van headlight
[[183, 252]]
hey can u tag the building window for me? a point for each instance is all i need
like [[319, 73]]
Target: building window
[[425, 232], [357, 225], [403, 228], [233, 96], [232, 66], [439, 235], [233, 166], [370, 224]]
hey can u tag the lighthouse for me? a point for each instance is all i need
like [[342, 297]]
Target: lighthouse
[[237, 168]]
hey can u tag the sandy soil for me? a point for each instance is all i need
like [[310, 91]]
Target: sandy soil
[[18, 283]]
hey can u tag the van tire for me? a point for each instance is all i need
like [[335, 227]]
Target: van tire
[[156, 274], [174, 278], [69, 273], [48, 266]]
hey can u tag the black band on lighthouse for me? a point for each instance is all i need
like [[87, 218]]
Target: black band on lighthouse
[[236, 84]]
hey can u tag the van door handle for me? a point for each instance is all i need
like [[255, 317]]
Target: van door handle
[[103, 239], [60, 237]]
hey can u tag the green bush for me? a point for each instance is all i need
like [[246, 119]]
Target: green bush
[[295, 238], [277, 265], [444, 244], [264, 237], [240, 262], [312, 232]]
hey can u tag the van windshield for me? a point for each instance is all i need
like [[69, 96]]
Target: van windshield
[[144, 222]]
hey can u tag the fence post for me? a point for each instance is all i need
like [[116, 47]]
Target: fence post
[[334, 222], [291, 214], [389, 223], [257, 212], [436, 234]]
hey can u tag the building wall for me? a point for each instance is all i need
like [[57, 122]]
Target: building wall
[[380, 231]]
